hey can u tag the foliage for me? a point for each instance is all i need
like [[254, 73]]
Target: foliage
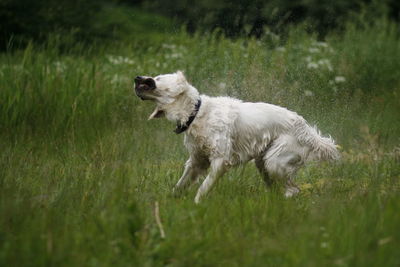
[[25, 19], [254, 17], [80, 21], [102, 21]]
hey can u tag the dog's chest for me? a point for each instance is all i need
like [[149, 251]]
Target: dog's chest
[[207, 140], [199, 140], [211, 133]]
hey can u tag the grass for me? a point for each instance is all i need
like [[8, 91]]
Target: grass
[[81, 168]]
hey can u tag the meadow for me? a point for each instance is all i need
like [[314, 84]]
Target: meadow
[[82, 170]]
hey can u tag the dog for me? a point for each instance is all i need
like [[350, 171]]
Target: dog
[[221, 132]]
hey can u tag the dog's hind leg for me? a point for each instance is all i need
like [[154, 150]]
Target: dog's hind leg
[[283, 167], [283, 161], [263, 171], [217, 170]]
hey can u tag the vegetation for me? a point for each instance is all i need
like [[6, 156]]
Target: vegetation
[[81, 168], [101, 20], [256, 17]]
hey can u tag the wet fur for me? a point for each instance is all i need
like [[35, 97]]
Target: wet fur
[[227, 132]]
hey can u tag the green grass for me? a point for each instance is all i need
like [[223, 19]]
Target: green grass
[[81, 167]]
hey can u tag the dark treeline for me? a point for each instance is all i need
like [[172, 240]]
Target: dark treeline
[[239, 17], [23, 20]]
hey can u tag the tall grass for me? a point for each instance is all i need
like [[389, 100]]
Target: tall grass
[[81, 167]]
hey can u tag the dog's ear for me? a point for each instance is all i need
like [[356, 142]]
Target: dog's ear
[[157, 113], [181, 77]]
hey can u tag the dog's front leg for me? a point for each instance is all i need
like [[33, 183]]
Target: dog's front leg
[[188, 176], [217, 170]]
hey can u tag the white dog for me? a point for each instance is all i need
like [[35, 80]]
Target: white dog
[[221, 132]]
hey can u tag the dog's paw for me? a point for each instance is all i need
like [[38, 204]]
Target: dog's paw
[[176, 191], [197, 200], [291, 192]]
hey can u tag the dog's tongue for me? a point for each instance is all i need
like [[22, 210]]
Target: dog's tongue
[[157, 113]]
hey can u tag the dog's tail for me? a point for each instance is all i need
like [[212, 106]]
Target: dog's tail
[[323, 148]]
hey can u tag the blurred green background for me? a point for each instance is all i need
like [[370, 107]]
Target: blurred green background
[[89, 20]]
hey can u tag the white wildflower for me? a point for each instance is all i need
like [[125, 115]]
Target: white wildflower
[[308, 59], [340, 261], [308, 93], [321, 44], [280, 49], [340, 79], [222, 85], [118, 60], [173, 55], [168, 46], [312, 65], [129, 61], [313, 50], [117, 79], [324, 244], [60, 66], [326, 63], [113, 60], [176, 55]]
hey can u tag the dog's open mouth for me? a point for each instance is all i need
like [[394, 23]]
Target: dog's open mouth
[[144, 87], [145, 90], [142, 91]]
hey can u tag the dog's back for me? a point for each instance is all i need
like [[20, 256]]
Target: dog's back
[[249, 129]]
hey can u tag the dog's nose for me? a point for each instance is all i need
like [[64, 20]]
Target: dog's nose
[[139, 78]]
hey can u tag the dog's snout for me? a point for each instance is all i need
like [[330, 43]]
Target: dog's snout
[[139, 78], [147, 82], [144, 85]]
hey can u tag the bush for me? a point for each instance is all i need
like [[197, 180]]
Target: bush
[[238, 18], [23, 20]]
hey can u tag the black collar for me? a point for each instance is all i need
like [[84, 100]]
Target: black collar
[[180, 128]]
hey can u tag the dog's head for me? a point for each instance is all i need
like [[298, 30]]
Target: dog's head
[[163, 89]]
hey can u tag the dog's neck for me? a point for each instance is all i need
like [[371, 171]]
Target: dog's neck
[[182, 108]]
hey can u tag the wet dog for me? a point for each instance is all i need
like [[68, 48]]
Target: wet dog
[[220, 132]]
